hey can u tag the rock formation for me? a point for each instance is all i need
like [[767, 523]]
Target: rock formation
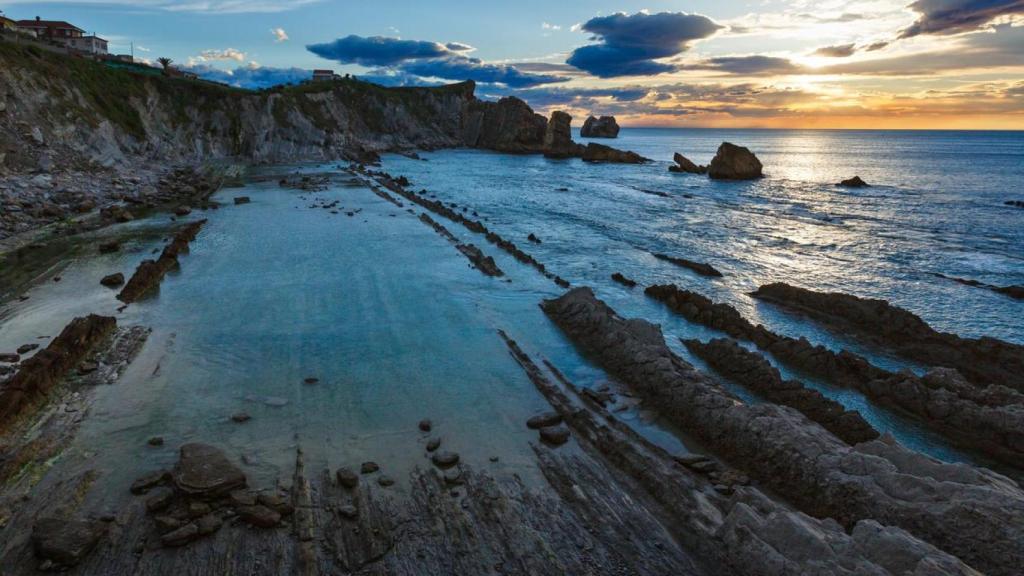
[[698, 267], [149, 273], [601, 153], [558, 137], [41, 372], [972, 513], [983, 361], [684, 165], [733, 162], [603, 127]]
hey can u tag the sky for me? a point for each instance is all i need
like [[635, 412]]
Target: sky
[[908, 64]]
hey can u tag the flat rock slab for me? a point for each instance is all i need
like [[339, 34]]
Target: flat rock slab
[[204, 470]]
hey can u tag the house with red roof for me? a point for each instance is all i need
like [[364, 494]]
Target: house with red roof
[[65, 33]]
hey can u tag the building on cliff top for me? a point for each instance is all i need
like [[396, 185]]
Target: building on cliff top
[[323, 75], [65, 33], [7, 25]]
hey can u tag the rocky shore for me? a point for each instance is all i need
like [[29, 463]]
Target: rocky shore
[[970, 512]]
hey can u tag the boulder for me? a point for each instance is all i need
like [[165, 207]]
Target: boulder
[[854, 182], [558, 137], [601, 153], [684, 165], [204, 471], [113, 280], [347, 478], [66, 541], [603, 127], [543, 420], [554, 435], [445, 459], [259, 516], [508, 125], [733, 162]]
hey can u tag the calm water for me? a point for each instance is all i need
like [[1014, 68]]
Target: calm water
[[397, 327]]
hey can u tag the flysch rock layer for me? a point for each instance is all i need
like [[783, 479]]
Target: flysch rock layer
[[149, 273], [989, 419], [972, 513], [734, 529], [982, 360]]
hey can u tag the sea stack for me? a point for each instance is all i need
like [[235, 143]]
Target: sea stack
[[733, 162], [558, 137], [686, 166], [603, 127]]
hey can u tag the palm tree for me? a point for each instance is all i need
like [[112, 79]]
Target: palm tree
[[165, 62]]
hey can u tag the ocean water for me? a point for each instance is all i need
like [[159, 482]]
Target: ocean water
[[397, 327]]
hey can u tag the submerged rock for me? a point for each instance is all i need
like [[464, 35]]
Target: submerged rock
[[623, 280], [204, 471], [241, 200], [603, 127], [554, 435], [733, 162], [445, 459], [113, 280], [698, 267], [109, 247], [543, 420], [684, 165], [369, 467]]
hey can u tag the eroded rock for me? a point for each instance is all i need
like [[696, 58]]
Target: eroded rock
[[603, 127], [204, 471], [733, 162]]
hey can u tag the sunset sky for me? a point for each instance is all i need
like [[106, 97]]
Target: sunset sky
[[771, 63]]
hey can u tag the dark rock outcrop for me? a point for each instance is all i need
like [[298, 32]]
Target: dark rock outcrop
[[686, 166], [618, 277], [698, 267], [985, 419], [149, 273], [600, 153], [983, 360], [733, 162], [483, 263], [112, 280], [603, 127], [972, 513], [1015, 292], [854, 182], [508, 125], [753, 371], [558, 137], [37, 375], [1015, 203]]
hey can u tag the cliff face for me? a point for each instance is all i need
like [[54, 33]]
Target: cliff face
[[65, 110]]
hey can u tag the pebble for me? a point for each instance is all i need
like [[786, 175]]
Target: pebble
[[155, 441], [445, 459], [369, 467], [426, 425], [347, 478], [385, 481], [433, 444]]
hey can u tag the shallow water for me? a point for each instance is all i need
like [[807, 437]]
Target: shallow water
[[397, 326]]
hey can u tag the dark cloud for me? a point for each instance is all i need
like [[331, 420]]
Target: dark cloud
[[379, 50], [755, 65], [839, 51], [955, 16], [252, 77], [875, 46], [462, 68], [398, 59], [631, 44]]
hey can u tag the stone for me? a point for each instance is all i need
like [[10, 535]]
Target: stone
[[166, 523], [425, 425], [544, 419], [181, 536], [603, 127], [385, 481], [159, 499], [204, 471], [113, 280], [197, 509], [241, 417], [684, 165], [241, 200], [698, 267], [348, 511], [10, 358], [142, 484], [369, 467], [554, 435], [733, 162], [275, 503], [182, 211], [259, 516], [155, 441], [558, 137], [242, 498], [533, 238], [618, 277], [445, 459], [65, 541], [209, 524], [854, 182], [433, 444], [347, 478]]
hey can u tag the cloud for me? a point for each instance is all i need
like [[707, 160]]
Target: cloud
[[955, 16], [426, 60], [252, 76], [631, 45], [754, 65], [838, 51], [279, 35], [546, 26], [378, 50], [875, 46], [217, 56]]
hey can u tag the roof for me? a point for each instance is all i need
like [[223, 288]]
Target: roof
[[323, 71], [48, 24]]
